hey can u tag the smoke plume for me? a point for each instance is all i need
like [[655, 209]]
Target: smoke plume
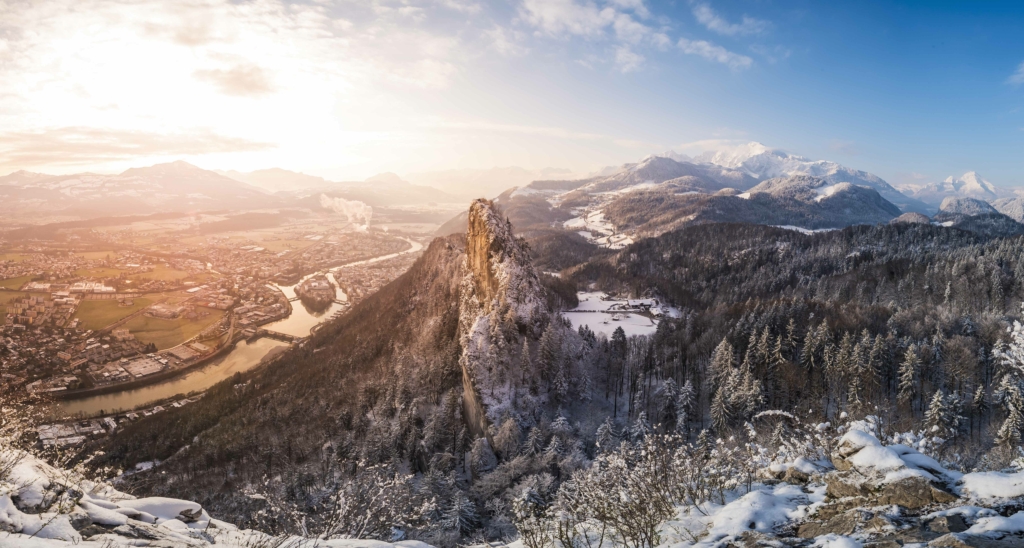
[[355, 211]]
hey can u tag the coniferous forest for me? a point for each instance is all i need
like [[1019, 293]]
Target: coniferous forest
[[784, 337]]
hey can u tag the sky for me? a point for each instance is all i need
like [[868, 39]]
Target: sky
[[910, 91]]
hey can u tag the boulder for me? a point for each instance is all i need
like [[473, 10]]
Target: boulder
[[961, 540], [948, 524], [842, 524]]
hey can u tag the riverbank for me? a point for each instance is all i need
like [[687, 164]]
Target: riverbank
[[244, 357]]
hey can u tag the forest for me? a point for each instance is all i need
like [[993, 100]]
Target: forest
[[362, 431]]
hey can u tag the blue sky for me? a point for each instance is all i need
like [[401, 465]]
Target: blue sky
[[346, 88]]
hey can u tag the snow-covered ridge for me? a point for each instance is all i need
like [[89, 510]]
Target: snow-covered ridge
[[43, 506]]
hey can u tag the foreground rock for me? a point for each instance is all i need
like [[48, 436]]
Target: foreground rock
[[46, 507]]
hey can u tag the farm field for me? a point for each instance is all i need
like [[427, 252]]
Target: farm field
[[168, 333], [101, 313], [99, 272], [161, 273], [16, 257], [15, 283]]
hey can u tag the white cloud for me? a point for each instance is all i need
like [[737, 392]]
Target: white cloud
[[711, 52], [567, 17], [132, 67], [507, 42], [1017, 78], [716, 23], [636, 6], [627, 60]]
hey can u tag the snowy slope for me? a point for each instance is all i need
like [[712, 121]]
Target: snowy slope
[[762, 162]]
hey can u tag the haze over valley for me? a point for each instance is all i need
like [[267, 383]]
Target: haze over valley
[[525, 274]]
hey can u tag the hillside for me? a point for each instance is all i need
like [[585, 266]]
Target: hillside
[[798, 201], [460, 385], [175, 186]]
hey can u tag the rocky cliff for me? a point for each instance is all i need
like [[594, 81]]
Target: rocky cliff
[[501, 298]]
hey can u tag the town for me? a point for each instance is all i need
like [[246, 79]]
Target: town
[[106, 318]]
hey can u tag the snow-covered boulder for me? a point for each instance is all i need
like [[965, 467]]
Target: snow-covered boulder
[[45, 507], [886, 474]]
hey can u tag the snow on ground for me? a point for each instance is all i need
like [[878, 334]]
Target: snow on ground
[[825, 192], [803, 230], [994, 525], [598, 311], [993, 485], [762, 509], [47, 505], [745, 196], [592, 225]]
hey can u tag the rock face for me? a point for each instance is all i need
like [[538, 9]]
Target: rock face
[[500, 294]]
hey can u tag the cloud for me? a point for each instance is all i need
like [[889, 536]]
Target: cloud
[[1017, 78], [711, 52], [566, 17], [507, 42], [716, 23], [239, 80], [81, 146], [627, 60]]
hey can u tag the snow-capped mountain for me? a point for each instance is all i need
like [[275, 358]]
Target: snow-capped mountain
[[968, 185], [761, 162]]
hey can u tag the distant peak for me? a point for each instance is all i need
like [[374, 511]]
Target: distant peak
[[386, 177]]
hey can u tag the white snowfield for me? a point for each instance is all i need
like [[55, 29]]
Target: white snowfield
[[45, 507], [599, 312]]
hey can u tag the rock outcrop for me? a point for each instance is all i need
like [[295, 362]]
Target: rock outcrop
[[501, 296], [42, 506]]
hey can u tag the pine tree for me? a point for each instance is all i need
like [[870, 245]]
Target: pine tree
[[722, 362], [640, 428], [534, 442], [1009, 434], [791, 339], [461, 515], [550, 351], [605, 437], [936, 419], [560, 426], [720, 413], [684, 406], [908, 375]]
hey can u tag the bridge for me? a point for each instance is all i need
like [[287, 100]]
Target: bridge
[[278, 336]]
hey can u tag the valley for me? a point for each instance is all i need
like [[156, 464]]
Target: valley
[[530, 345]]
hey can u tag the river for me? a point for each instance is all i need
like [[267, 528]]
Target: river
[[243, 357]]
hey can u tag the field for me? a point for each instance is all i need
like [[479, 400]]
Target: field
[[98, 273], [15, 283], [16, 257], [161, 273], [168, 333], [101, 313]]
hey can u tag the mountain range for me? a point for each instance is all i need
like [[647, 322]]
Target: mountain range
[[174, 186]]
